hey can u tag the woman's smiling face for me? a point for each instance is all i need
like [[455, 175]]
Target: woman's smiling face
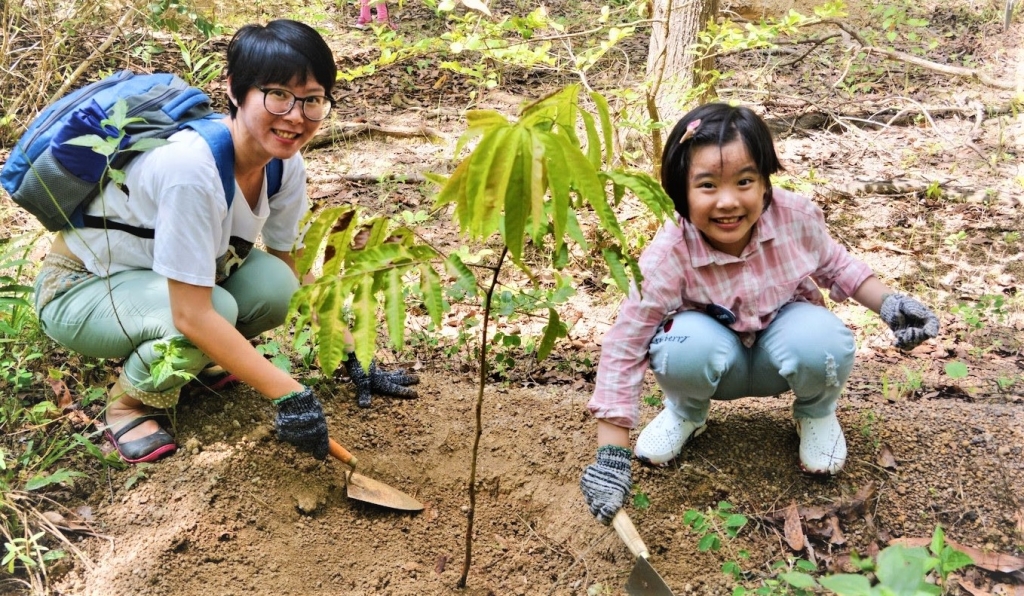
[[279, 136], [726, 195]]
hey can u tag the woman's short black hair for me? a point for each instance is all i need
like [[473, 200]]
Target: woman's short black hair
[[276, 53], [720, 124]]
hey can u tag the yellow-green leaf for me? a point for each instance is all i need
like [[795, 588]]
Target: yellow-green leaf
[[463, 275], [606, 125], [559, 180], [615, 269], [646, 189], [394, 306], [517, 206], [485, 183], [319, 225], [331, 336], [430, 285], [590, 187], [593, 141], [552, 331], [364, 331]]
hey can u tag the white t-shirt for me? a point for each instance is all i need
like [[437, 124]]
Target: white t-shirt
[[176, 190]]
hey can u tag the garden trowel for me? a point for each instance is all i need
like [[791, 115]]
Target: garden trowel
[[643, 580], [368, 490]]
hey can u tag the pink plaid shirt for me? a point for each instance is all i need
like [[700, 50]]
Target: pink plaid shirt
[[790, 255]]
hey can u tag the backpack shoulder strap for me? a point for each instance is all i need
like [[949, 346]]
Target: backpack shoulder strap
[[218, 137], [275, 174]]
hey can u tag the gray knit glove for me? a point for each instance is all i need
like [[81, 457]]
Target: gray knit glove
[[911, 322], [378, 381], [607, 482], [300, 421]]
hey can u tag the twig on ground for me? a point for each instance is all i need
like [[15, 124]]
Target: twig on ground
[[374, 178], [348, 130], [957, 71]]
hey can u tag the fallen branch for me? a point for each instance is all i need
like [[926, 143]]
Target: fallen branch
[[349, 130], [957, 71], [373, 178]]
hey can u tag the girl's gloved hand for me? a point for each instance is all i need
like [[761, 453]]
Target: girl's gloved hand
[[607, 482], [911, 321], [394, 383], [300, 421]]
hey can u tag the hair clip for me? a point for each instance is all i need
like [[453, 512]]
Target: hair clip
[[691, 128]]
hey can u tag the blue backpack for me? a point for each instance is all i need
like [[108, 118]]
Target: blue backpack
[[55, 181]]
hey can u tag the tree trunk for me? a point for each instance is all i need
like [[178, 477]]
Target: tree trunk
[[671, 67]]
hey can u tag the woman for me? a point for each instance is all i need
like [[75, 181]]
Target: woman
[[199, 284]]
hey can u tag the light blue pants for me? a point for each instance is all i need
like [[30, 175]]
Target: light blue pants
[[806, 348], [127, 314]]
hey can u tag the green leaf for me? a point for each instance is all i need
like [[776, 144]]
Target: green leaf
[[709, 542], [559, 181], [517, 206], [554, 329], [479, 122], [902, 569], [430, 285], [593, 141], [39, 481], [798, 580], [331, 333], [956, 370], [453, 189], [317, 230], [464, 277], [614, 261], [394, 306], [938, 540], [847, 584], [486, 183], [364, 329], [587, 183], [147, 144], [606, 125], [647, 189], [735, 522]]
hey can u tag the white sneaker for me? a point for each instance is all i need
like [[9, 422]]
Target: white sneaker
[[822, 444], [662, 440]]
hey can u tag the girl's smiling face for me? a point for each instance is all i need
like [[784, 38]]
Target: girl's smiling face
[[726, 195]]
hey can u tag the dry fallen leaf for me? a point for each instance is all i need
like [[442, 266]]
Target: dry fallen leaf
[[885, 458], [64, 398], [793, 530]]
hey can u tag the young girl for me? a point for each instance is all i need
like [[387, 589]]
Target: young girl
[[730, 307], [111, 294]]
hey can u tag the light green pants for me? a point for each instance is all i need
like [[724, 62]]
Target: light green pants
[[128, 314]]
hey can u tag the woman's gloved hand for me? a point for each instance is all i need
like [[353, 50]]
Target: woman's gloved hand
[[911, 322], [394, 383], [300, 421], [607, 482]]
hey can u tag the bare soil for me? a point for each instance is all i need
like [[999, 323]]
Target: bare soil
[[235, 512]]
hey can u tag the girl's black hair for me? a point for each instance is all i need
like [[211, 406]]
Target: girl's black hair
[[720, 124], [276, 53]]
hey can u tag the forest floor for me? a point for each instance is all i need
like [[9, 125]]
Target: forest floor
[[236, 512]]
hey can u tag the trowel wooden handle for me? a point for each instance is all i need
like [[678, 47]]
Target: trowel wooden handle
[[340, 453], [627, 532]]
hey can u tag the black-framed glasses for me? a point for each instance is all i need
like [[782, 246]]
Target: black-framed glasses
[[280, 101]]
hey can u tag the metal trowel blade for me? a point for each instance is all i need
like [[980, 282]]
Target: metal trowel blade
[[645, 581]]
